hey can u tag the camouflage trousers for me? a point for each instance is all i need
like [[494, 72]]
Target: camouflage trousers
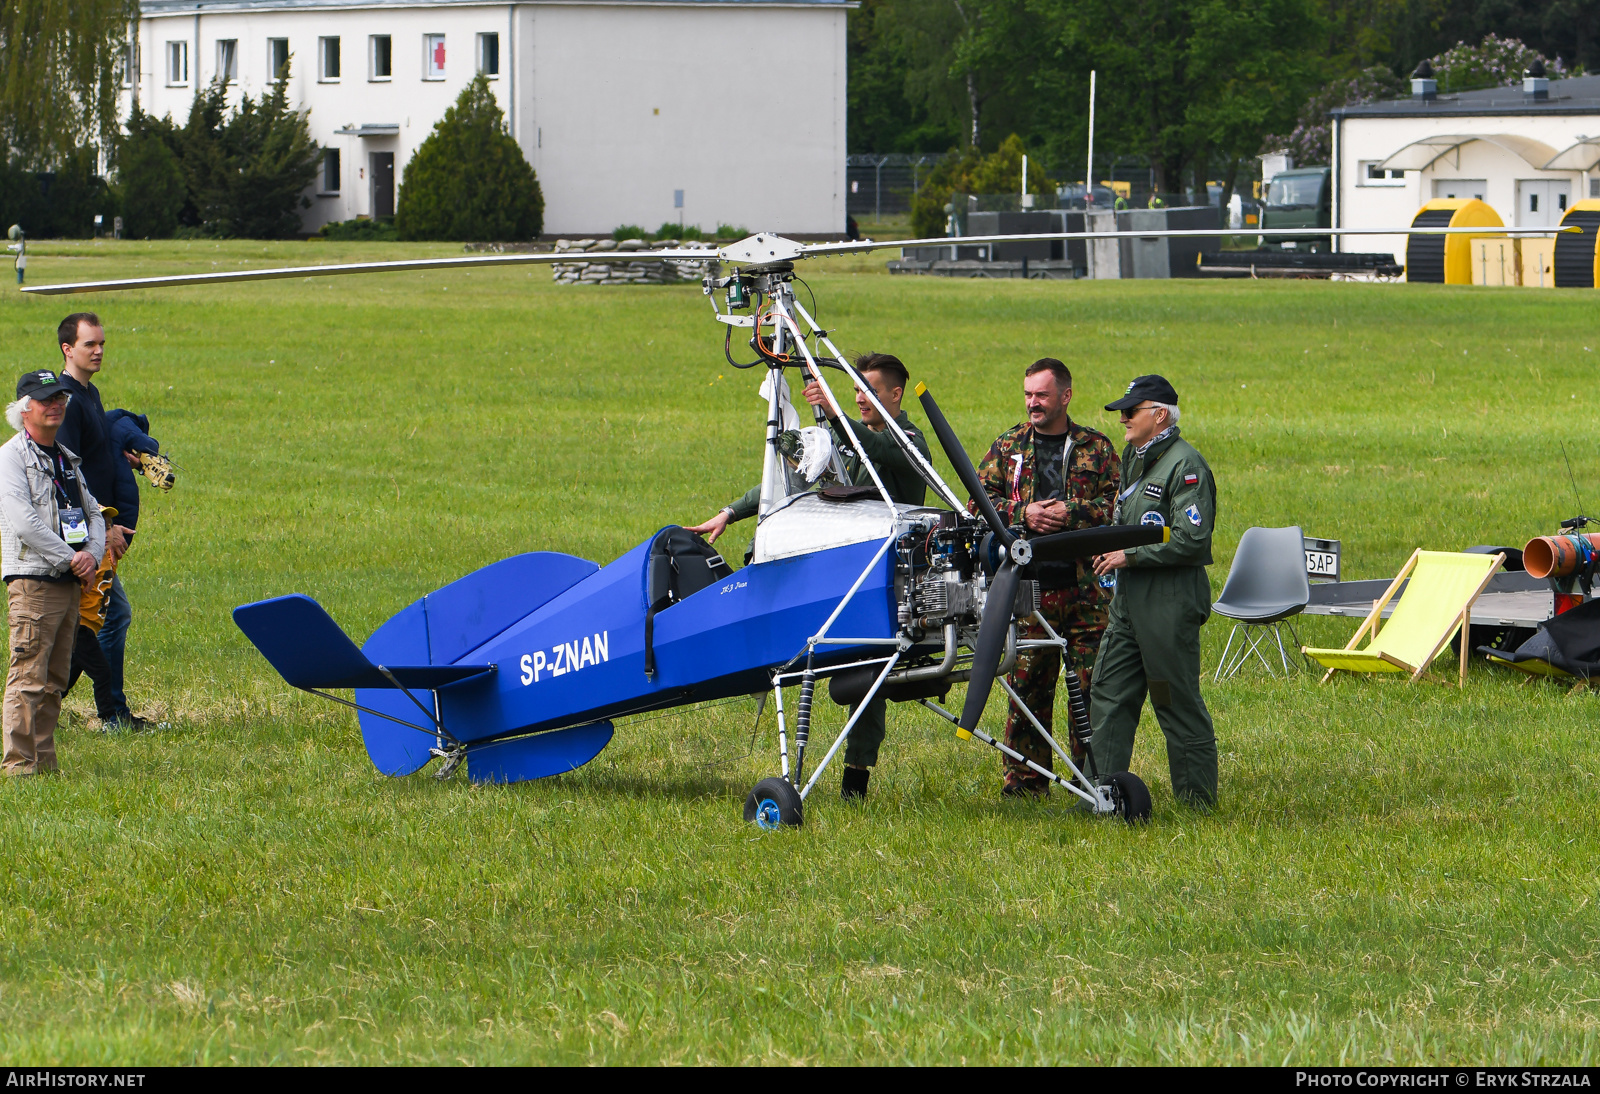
[[1035, 678]]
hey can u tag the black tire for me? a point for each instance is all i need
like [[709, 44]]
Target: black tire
[[1131, 795], [775, 804]]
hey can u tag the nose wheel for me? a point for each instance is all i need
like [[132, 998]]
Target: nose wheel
[[774, 804], [1130, 796]]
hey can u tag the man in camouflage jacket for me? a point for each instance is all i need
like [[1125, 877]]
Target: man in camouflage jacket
[[1051, 474]]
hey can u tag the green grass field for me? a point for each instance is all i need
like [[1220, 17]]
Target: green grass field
[[1394, 874]]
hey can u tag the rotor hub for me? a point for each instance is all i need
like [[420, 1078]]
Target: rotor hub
[[1021, 552]]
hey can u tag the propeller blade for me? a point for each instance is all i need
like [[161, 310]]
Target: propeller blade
[[963, 466], [228, 277], [997, 609], [809, 250], [1098, 541]]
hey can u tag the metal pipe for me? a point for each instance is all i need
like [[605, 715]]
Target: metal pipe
[[855, 716], [783, 737], [814, 639]]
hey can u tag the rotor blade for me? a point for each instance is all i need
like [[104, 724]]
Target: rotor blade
[[1098, 541], [962, 464], [227, 277], [813, 250], [998, 606]]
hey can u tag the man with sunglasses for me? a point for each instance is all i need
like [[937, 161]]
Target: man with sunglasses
[[52, 537], [1163, 597]]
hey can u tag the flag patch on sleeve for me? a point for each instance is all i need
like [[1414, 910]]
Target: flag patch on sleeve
[[1190, 480]]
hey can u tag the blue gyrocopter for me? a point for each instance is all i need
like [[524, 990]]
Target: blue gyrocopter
[[519, 669]]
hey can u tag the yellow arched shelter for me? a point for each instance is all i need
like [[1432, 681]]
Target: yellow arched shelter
[[1577, 264], [1447, 259]]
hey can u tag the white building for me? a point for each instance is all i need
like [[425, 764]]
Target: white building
[[1529, 151], [631, 111]]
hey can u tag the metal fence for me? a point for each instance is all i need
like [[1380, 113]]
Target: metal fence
[[883, 184]]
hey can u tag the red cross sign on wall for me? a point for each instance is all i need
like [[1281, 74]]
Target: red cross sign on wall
[[438, 55]]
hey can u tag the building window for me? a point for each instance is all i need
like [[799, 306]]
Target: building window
[[177, 63], [1372, 175], [489, 55], [330, 171], [328, 59], [1594, 188], [227, 59], [433, 57], [129, 63], [380, 57], [277, 59]]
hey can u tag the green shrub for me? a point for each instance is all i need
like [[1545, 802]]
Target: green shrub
[[968, 171], [469, 180], [359, 230], [728, 231], [151, 181], [59, 204], [629, 231]]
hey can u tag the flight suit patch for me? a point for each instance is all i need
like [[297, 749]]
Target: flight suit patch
[[1152, 518], [1153, 490], [1193, 513], [1190, 480]]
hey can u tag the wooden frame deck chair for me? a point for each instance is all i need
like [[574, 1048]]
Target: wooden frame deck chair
[[1437, 604]]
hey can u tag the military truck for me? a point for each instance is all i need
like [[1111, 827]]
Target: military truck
[[1301, 197]]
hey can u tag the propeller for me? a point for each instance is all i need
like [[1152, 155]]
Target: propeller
[[1018, 553], [963, 465]]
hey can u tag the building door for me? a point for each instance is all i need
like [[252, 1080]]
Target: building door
[[1460, 188], [382, 165], [1541, 203]]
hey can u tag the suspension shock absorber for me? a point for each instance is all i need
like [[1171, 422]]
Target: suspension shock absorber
[[802, 720], [1078, 712]]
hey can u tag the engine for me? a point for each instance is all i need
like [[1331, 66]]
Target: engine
[[939, 579]]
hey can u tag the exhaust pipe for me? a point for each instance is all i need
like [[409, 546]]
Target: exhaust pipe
[[1559, 556]]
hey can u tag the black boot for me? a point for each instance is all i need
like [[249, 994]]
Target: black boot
[[854, 785]]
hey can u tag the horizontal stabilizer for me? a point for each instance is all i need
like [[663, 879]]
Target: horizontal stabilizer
[[309, 650], [538, 756]]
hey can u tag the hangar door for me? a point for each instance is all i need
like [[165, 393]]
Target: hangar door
[[1541, 203]]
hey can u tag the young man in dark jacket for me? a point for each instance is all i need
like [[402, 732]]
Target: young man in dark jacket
[[86, 432]]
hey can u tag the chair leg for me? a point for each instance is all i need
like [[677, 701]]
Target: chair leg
[[1282, 656], [1260, 636], [1298, 644], [1224, 659]]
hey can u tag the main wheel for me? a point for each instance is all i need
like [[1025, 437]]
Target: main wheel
[[1131, 795], [774, 804]]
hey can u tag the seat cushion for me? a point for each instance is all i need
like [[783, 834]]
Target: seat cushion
[[1257, 613]]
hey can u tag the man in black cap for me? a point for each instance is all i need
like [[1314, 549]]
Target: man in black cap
[[1152, 642], [52, 537]]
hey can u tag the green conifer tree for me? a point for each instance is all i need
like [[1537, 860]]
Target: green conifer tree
[[469, 180]]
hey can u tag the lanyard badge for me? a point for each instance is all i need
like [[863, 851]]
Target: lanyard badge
[[74, 527], [74, 524]]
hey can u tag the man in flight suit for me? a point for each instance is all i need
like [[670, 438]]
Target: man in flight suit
[[1163, 597], [1051, 474], [904, 483]]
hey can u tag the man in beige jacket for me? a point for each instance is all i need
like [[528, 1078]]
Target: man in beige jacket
[[52, 536]]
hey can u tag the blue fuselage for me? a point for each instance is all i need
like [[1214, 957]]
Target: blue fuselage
[[578, 656]]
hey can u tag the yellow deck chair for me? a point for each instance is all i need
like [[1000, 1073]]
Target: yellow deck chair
[[1436, 604]]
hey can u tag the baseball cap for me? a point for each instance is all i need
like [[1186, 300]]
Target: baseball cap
[[40, 384], [1153, 388]]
